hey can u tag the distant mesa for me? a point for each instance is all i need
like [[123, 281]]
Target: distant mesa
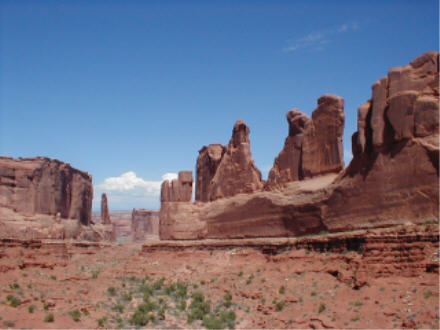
[[144, 224], [392, 178]]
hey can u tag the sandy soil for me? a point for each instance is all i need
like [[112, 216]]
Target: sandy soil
[[103, 287]]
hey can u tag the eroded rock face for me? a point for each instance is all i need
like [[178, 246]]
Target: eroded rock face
[[45, 186], [394, 172], [224, 171], [105, 216], [314, 146], [144, 223], [392, 179], [288, 165], [207, 163], [178, 190]]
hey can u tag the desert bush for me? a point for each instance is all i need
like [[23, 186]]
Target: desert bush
[[76, 315], [13, 301], [111, 291], [49, 318], [282, 290], [31, 308], [321, 308], [279, 305], [101, 321]]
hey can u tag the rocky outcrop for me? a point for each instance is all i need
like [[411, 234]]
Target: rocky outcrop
[[105, 216], [394, 172], [224, 171], [392, 179], [314, 146], [207, 165], [144, 224], [178, 190], [45, 186]]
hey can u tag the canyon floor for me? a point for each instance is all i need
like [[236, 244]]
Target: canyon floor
[[389, 279]]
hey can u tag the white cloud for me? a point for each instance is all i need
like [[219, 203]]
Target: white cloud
[[169, 176], [317, 39], [128, 190]]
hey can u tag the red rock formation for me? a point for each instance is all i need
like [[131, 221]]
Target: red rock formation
[[314, 146], [178, 190], [105, 216], [394, 172], [42, 185], [227, 171], [144, 223], [322, 150], [392, 179], [207, 163]]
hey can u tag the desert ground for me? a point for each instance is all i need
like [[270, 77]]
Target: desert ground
[[61, 284]]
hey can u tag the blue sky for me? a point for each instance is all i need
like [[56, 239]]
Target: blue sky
[[131, 90]]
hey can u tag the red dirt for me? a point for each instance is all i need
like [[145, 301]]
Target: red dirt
[[388, 281]]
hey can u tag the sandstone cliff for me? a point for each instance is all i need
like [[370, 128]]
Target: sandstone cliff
[[313, 146], [46, 186], [392, 179], [224, 171], [394, 172]]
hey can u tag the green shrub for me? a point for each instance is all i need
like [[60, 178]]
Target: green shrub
[[321, 308], [142, 315], [14, 286], [46, 307], [53, 277], [76, 315], [182, 305], [31, 308], [158, 284], [13, 301], [199, 307], [227, 299], [102, 321], [111, 291], [427, 294], [118, 307], [127, 296], [182, 290], [279, 305], [95, 274], [282, 290], [49, 318]]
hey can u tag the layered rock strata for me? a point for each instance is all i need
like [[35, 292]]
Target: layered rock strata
[[45, 186], [224, 171], [392, 179], [313, 146], [394, 171]]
